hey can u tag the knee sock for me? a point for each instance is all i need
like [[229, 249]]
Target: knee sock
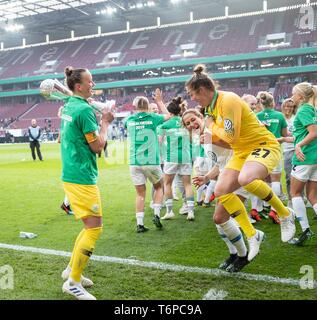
[[231, 247], [157, 209], [210, 189], [190, 203], [139, 218], [300, 212], [169, 205], [84, 249], [264, 192], [234, 235], [75, 246], [236, 209], [200, 191]]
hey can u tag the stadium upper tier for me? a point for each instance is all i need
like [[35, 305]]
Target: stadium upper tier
[[224, 37]]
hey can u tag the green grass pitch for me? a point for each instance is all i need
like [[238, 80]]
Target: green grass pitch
[[31, 194]]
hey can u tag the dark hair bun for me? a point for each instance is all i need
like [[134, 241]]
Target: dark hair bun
[[263, 96], [200, 68], [178, 100], [69, 71]]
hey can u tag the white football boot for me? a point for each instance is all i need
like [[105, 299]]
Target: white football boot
[[288, 227], [255, 243], [184, 209], [77, 290], [168, 216], [190, 216]]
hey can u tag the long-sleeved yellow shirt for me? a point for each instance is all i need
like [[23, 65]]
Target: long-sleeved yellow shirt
[[235, 123]]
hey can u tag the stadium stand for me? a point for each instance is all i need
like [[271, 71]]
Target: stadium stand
[[217, 38]]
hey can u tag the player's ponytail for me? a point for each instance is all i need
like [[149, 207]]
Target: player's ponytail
[[177, 106], [73, 76], [200, 79], [266, 99]]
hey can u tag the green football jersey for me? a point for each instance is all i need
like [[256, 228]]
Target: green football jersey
[[144, 146], [306, 115], [177, 141], [274, 121], [79, 162]]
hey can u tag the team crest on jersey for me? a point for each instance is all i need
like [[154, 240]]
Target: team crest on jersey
[[228, 126], [95, 208]]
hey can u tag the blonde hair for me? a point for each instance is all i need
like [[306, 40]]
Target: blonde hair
[[266, 99], [307, 91], [141, 103]]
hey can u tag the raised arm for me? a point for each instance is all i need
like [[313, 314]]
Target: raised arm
[[158, 98]]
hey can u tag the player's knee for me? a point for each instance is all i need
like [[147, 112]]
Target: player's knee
[[245, 179], [219, 191], [219, 218]]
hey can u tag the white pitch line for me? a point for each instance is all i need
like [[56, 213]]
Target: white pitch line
[[162, 266]]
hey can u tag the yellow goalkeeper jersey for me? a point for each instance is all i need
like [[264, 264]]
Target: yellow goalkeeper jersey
[[235, 123]]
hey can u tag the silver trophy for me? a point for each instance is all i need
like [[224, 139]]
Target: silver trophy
[[52, 89]]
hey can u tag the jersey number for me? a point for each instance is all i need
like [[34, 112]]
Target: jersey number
[[257, 153]]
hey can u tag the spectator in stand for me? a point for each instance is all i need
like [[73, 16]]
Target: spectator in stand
[[34, 137]]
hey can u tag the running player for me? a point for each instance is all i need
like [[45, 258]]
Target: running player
[[226, 226]]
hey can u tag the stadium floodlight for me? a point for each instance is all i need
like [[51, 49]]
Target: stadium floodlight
[[265, 5], [1, 46], [191, 16], [177, 1], [150, 3], [226, 11], [14, 27], [139, 5], [109, 11]]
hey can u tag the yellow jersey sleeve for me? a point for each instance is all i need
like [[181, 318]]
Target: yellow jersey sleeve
[[227, 124], [235, 123]]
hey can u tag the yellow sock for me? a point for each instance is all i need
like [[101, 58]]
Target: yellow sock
[[260, 189], [236, 209], [75, 245], [83, 251]]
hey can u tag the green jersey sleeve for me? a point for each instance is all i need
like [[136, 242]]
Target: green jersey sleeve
[[87, 121]]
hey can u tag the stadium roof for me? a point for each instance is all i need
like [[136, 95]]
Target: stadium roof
[[59, 17]]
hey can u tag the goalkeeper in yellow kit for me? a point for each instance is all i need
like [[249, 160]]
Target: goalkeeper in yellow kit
[[256, 153]]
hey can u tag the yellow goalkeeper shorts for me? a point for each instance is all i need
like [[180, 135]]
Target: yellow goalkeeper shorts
[[85, 200], [268, 154]]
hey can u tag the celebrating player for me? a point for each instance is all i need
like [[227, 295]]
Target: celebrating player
[[145, 158], [304, 160], [80, 142], [255, 154]]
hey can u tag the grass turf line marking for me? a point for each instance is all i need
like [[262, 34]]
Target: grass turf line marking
[[161, 266]]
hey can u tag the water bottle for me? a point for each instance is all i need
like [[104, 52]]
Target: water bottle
[[27, 235], [100, 106]]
